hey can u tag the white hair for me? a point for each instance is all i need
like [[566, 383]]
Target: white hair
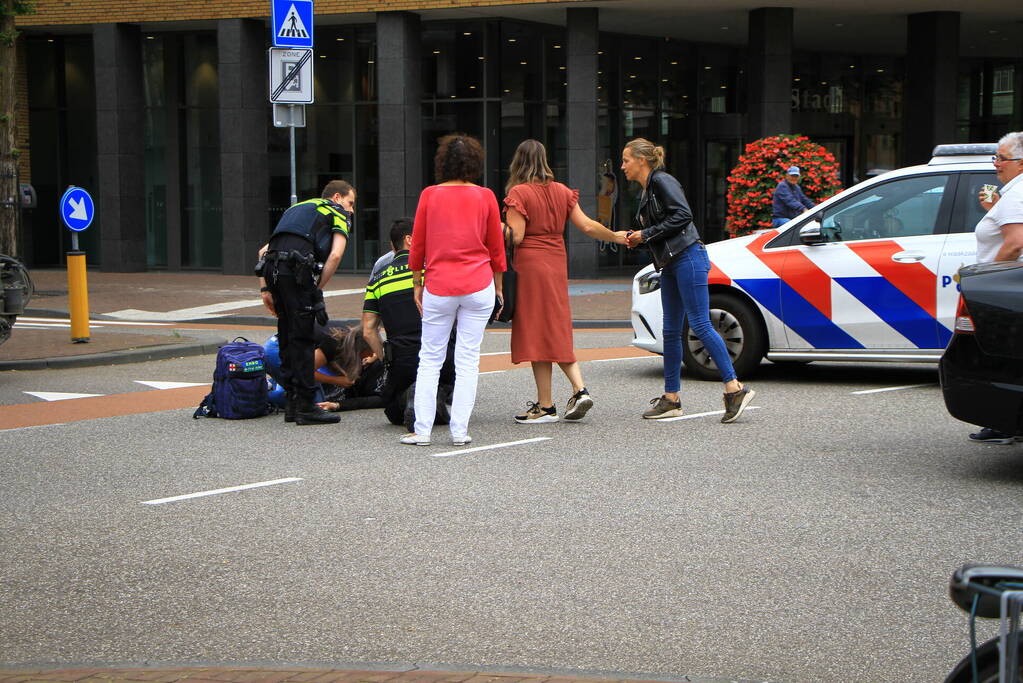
[[1015, 143]]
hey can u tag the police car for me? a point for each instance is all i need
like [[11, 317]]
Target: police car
[[866, 275]]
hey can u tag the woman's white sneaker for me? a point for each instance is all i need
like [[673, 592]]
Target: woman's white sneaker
[[415, 440]]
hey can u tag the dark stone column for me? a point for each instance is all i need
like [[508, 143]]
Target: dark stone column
[[120, 213], [582, 43], [399, 108], [769, 72], [244, 118], [929, 97]]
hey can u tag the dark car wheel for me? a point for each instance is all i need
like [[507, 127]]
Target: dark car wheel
[[739, 326]]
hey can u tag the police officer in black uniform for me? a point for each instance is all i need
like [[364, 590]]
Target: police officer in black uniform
[[389, 299], [302, 255]]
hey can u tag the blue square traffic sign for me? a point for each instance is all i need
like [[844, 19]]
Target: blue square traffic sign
[[292, 24]]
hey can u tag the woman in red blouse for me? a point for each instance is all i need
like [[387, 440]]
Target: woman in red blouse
[[456, 259]]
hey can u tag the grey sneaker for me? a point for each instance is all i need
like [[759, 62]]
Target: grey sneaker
[[736, 402], [578, 405], [536, 415], [663, 408]]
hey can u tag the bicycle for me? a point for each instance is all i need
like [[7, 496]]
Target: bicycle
[[990, 592]]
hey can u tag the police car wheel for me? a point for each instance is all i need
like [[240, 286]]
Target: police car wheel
[[740, 328]]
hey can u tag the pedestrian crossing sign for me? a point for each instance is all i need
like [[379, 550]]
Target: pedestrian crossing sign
[[292, 24]]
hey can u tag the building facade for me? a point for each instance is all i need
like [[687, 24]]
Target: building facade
[[161, 108]]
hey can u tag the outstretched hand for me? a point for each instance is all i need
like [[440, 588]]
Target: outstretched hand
[[634, 238], [620, 238]]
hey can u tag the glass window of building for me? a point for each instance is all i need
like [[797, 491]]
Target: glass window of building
[[339, 141], [62, 130]]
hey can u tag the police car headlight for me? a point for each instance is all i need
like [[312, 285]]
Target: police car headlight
[[650, 282]]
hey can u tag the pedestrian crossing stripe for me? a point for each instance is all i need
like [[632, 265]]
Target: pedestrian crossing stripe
[[293, 26]]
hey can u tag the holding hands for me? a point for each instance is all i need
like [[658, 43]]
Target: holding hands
[[628, 238]]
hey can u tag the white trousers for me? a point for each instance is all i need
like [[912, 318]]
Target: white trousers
[[469, 313]]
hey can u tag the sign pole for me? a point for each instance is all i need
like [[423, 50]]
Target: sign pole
[[77, 211], [291, 135]]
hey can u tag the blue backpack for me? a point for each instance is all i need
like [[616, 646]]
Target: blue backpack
[[239, 383]]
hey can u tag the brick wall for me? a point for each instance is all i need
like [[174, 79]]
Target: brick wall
[[21, 114], [53, 12]]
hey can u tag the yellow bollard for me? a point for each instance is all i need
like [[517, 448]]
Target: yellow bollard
[[78, 296]]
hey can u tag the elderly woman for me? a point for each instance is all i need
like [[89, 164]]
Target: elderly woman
[[681, 258], [1000, 232], [457, 258]]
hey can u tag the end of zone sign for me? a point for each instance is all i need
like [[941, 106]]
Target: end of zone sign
[[292, 24]]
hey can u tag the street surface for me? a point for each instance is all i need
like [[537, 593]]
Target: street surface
[[811, 541]]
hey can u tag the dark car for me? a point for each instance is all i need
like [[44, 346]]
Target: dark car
[[982, 368]]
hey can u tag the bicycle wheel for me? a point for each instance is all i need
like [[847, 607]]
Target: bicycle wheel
[[987, 665]]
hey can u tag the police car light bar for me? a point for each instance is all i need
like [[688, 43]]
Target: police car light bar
[[974, 149]]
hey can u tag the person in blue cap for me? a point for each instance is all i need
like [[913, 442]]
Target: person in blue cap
[[789, 200]]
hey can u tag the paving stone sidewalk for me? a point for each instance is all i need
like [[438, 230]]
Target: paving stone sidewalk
[[300, 675]]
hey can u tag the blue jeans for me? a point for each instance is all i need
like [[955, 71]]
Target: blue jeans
[[684, 294], [778, 222]]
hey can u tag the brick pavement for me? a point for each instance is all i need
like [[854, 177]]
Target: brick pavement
[[245, 674]]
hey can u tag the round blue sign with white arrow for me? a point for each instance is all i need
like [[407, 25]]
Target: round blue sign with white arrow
[[77, 209]]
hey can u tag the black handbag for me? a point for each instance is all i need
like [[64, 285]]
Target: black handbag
[[510, 277]]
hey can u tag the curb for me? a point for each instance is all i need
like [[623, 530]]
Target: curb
[[139, 355]]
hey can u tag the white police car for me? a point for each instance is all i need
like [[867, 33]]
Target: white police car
[[867, 275]]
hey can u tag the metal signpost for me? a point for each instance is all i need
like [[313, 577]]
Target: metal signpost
[[77, 211], [291, 69]]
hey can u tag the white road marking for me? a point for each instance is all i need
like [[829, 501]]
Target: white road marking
[[696, 415], [170, 385], [58, 395], [210, 311], [488, 448], [230, 489], [493, 372], [608, 360], [878, 391], [495, 353]]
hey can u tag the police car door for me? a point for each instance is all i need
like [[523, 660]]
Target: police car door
[[872, 283], [960, 248]]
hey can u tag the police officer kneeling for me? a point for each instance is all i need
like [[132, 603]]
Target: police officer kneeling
[[302, 255]]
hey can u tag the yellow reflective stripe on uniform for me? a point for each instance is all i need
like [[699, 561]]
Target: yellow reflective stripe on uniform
[[386, 285], [383, 288], [340, 220]]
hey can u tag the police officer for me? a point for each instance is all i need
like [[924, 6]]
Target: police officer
[[302, 255], [390, 300]]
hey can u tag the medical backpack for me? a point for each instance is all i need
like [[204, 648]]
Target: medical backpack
[[239, 383]]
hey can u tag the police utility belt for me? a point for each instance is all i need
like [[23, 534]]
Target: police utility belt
[[292, 257]]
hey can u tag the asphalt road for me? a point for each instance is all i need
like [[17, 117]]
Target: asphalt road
[[811, 541]]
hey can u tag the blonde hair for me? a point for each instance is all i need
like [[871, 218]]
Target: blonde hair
[[529, 165], [641, 148]]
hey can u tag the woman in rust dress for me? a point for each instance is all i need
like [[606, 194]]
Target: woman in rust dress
[[537, 209]]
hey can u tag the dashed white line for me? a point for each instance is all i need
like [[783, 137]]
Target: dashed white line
[[493, 372], [230, 489], [878, 391], [696, 415], [608, 360], [476, 449]]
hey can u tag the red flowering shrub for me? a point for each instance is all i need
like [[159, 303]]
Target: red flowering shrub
[[762, 166]]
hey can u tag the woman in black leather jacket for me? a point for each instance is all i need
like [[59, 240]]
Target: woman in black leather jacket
[[681, 258]]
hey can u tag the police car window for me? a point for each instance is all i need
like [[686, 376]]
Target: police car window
[[901, 208], [966, 195]]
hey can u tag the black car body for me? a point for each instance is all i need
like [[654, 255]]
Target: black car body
[[982, 368]]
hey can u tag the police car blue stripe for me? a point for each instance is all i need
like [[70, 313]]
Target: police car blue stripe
[[800, 315], [888, 303]]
